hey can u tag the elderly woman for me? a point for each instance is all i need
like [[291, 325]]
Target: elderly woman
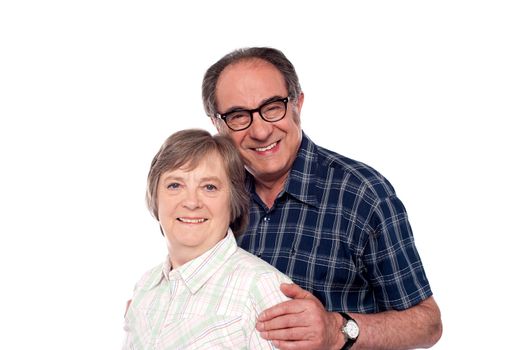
[[208, 293]]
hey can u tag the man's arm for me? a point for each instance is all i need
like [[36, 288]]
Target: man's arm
[[303, 323], [417, 327]]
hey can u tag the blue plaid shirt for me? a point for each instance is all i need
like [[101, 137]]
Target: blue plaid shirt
[[339, 231]]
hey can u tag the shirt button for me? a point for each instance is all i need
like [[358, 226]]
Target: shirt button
[[266, 218]]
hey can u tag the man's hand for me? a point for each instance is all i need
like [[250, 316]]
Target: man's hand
[[304, 324], [127, 307], [301, 323]]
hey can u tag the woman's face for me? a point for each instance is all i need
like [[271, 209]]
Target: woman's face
[[194, 208]]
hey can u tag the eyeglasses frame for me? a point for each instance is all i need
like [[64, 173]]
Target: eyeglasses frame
[[285, 101]]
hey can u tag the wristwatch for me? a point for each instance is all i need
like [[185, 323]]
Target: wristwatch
[[350, 331]]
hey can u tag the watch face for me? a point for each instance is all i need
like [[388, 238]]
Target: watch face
[[351, 329]]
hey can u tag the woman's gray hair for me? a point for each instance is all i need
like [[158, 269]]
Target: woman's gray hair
[[271, 55], [188, 148]]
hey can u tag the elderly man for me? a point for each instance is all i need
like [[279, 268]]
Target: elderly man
[[333, 224]]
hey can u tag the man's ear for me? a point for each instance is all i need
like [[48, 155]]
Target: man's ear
[[219, 125], [215, 122], [300, 100]]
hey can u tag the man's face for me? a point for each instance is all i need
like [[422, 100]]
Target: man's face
[[268, 149]]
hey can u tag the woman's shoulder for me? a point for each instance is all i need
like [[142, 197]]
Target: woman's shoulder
[[150, 277], [251, 265], [261, 280]]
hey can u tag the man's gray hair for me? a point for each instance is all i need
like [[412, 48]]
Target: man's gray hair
[[273, 56]]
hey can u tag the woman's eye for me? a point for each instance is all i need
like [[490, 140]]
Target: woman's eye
[[173, 185], [210, 187]]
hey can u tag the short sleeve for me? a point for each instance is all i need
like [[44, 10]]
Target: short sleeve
[[264, 293], [393, 265]]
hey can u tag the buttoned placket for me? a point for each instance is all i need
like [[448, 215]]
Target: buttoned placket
[[174, 280]]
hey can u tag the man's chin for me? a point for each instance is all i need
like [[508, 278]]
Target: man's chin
[[267, 174]]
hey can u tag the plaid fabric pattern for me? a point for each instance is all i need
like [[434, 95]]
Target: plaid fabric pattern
[[339, 231], [211, 302]]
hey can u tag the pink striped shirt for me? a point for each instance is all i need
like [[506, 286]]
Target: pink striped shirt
[[211, 302]]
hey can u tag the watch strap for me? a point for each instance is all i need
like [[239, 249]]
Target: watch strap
[[349, 342], [346, 316]]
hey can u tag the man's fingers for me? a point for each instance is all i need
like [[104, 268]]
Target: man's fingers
[[294, 291], [284, 308], [127, 307], [282, 322], [290, 334], [296, 324]]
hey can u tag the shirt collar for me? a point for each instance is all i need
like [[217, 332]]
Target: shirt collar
[[301, 181], [196, 273]]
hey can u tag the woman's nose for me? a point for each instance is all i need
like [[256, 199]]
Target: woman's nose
[[192, 200]]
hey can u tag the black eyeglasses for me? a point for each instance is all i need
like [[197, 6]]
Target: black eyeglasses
[[270, 111]]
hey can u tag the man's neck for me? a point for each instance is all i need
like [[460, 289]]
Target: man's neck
[[269, 190]]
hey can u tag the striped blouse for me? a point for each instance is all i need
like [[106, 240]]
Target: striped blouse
[[211, 302]]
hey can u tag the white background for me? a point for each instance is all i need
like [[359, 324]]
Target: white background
[[90, 89]]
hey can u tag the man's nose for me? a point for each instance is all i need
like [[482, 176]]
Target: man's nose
[[259, 128]]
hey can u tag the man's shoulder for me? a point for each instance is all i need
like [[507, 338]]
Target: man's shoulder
[[331, 159], [343, 171]]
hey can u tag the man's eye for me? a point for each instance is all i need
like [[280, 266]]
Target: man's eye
[[237, 116], [274, 108]]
